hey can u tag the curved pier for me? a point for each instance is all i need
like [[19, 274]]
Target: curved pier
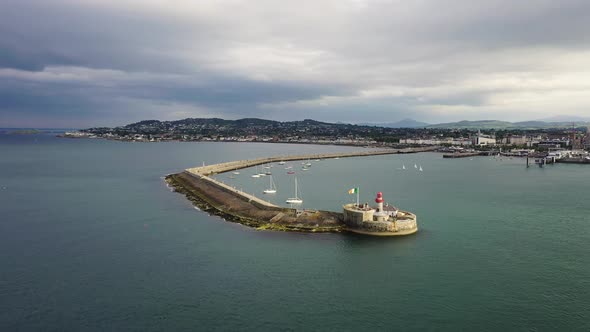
[[237, 206], [239, 164]]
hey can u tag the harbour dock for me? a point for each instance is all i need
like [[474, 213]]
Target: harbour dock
[[239, 164], [461, 155], [235, 205]]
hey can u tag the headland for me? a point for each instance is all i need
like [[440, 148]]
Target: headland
[[234, 205]]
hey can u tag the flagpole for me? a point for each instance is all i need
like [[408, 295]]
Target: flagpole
[[357, 196]]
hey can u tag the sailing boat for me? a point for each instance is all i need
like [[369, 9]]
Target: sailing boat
[[415, 166], [403, 166], [271, 187], [256, 175], [296, 199], [420, 168]]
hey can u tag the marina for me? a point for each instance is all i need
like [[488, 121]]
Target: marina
[[236, 205]]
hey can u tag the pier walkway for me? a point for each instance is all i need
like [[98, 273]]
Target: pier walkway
[[239, 164], [233, 204], [204, 172]]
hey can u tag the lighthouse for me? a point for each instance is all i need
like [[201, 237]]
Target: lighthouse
[[380, 215], [379, 201]]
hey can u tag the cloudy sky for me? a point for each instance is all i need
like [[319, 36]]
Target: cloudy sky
[[81, 63]]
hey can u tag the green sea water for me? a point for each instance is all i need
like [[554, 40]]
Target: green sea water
[[91, 239]]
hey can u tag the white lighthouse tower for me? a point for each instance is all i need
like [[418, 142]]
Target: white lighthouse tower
[[379, 201], [380, 215]]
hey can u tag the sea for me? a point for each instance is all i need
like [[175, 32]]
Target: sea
[[92, 239]]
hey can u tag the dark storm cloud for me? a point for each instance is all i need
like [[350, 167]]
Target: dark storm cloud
[[116, 61]]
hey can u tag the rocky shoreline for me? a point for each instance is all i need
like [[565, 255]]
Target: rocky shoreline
[[232, 208]]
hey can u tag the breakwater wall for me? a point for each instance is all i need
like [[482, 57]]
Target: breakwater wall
[[239, 164], [573, 160], [231, 190], [235, 205], [461, 155]]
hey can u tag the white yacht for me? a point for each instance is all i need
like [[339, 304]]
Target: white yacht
[[272, 188], [296, 199]]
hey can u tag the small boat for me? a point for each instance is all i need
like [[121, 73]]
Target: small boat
[[304, 169], [308, 164], [272, 188], [236, 173], [296, 199], [290, 172], [256, 175], [317, 160], [281, 162], [289, 167], [268, 173]]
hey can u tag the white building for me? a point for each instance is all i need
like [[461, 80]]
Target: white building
[[436, 141], [517, 140], [481, 139]]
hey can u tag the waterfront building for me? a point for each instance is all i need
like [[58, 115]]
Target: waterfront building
[[436, 141], [480, 139], [517, 140]]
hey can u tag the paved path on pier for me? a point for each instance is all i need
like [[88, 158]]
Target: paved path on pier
[[238, 164], [203, 172]]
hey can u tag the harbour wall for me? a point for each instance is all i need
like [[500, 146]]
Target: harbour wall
[[236, 205], [362, 220], [239, 164], [573, 161], [461, 155]]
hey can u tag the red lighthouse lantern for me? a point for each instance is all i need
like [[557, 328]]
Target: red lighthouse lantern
[[379, 198]]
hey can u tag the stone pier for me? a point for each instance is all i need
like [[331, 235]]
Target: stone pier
[[235, 205]]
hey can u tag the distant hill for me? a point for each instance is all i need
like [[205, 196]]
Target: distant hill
[[405, 123], [495, 124], [481, 124], [566, 118], [217, 126]]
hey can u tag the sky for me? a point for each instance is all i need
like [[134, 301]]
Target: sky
[[83, 63]]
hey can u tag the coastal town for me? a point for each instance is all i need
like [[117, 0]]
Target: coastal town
[[516, 141]]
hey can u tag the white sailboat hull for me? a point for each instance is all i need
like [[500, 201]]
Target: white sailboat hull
[[271, 187], [294, 201]]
